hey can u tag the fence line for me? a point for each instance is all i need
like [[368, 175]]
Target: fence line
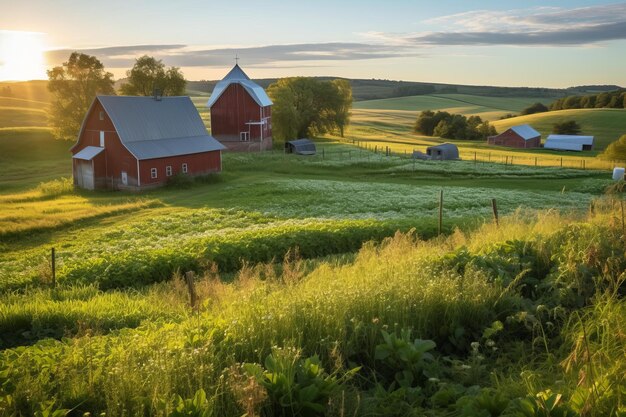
[[365, 149]]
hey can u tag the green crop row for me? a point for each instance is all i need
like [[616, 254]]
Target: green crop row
[[136, 267]]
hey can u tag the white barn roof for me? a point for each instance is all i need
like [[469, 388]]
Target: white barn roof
[[525, 132], [152, 128], [237, 76]]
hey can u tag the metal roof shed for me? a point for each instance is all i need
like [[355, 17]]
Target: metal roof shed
[[300, 147], [445, 151], [569, 142]]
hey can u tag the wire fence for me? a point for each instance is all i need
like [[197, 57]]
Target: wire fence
[[481, 156]]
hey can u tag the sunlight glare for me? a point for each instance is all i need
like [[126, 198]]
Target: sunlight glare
[[21, 56]]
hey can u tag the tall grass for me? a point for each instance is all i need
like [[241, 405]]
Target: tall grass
[[464, 291]]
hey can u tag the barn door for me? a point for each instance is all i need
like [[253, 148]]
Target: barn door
[[86, 173], [124, 178]]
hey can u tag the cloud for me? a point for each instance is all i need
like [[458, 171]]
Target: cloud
[[563, 37], [185, 56], [548, 26], [57, 56], [539, 18]]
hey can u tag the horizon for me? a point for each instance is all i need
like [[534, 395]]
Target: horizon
[[558, 44]]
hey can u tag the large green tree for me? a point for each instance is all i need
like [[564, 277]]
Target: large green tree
[[74, 85], [149, 74], [304, 107]]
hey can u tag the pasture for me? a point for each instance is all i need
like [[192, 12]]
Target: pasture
[[326, 271], [388, 123]]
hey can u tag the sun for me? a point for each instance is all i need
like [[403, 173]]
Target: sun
[[21, 56]]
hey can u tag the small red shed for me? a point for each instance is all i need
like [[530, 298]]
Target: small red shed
[[522, 136], [139, 142], [241, 113]]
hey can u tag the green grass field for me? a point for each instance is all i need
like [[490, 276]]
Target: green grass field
[[484, 319]]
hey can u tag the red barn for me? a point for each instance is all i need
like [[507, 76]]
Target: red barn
[[241, 113], [139, 142], [522, 136]]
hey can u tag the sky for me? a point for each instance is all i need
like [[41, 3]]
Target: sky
[[505, 43]]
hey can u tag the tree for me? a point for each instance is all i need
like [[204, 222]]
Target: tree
[[571, 102], [74, 86], [453, 126], [569, 127], [343, 105], [149, 74], [304, 106], [616, 150], [535, 108]]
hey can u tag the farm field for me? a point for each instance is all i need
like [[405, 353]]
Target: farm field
[[387, 127], [480, 318], [489, 108], [607, 125]]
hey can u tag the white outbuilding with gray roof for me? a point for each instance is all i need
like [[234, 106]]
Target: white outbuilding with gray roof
[[569, 143]]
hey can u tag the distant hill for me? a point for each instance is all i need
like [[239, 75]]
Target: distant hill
[[374, 89], [487, 107], [26, 90]]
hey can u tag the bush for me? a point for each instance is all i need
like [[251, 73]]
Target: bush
[[535, 108], [452, 126], [616, 150], [569, 127]]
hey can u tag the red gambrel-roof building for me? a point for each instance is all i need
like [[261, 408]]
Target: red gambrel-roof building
[[241, 113], [140, 142], [522, 136]]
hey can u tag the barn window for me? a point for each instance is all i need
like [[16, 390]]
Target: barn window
[[101, 115], [184, 168], [244, 136], [153, 173], [168, 170], [102, 139]]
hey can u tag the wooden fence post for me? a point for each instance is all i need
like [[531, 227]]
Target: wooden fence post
[[494, 207], [440, 211], [53, 266], [561, 162], [193, 298], [621, 203], [474, 158], [535, 161]]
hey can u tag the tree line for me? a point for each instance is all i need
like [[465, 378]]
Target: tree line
[[611, 99], [453, 126]]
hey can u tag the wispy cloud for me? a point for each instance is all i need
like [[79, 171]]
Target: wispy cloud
[[564, 37], [185, 56], [548, 26]]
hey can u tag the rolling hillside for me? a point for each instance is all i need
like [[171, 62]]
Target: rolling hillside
[[490, 108], [607, 125]]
